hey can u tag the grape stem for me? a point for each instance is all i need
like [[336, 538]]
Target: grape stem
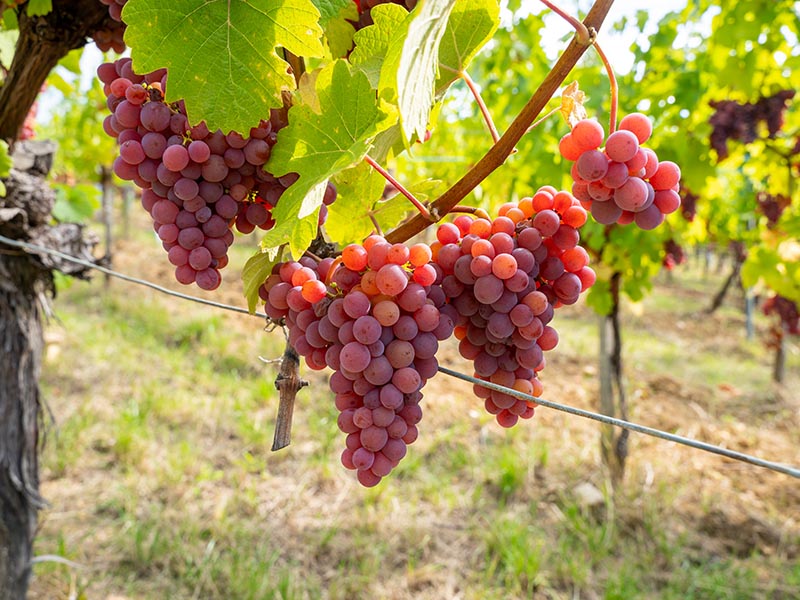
[[375, 223], [288, 383], [543, 119], [504, 147], [481, 105], [471, 210], [612, 80], [583, 34], [400, 188]]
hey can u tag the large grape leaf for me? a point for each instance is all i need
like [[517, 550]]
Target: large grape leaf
[[360, 204], [336, 19], [221, 54], [255, 272], [472, 23], [358, 189], [410, 69], [319, 144], [372, 43]]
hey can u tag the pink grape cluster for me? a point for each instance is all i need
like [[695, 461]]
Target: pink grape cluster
[[505, 278], [110, 37], [624, 182], [196, 184], [377, 325]]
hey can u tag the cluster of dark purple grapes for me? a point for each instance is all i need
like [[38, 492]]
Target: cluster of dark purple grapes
[[688, 204], [377, 325], [196, 184], [735, 121], [772, 207], [673, 254], [786, 311], [623, 183], [505, 278]]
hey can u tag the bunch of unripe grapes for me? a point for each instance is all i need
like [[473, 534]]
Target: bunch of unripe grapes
[[196, 184], [505, 278], [375, 317], [624, 182]]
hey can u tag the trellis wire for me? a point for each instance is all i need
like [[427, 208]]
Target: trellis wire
[[753, 460], [678, 439], [112, 273]]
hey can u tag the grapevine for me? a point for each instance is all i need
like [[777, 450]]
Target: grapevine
[[375, 312]]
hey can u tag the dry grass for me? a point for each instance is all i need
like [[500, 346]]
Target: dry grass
[[162, 485]]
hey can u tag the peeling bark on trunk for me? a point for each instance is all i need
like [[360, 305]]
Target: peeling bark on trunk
[[25, 283], [21, 287], [26, 278]]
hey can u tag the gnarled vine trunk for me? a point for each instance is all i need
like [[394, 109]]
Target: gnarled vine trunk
[[26, 281], [21, 287], [26, 278]]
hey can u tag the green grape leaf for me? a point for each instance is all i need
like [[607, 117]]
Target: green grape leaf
[[329, 9], [221, 54], [39, 7], [55, 80], [5, 160], [472, 23], [335, 20], [297, 233], [599, 297], [8, 44], [373, 41], [255, 272], [5, 166], [410, 70], [319, 144], [75, 203], [357, 191], [72, 61], [10, 19]]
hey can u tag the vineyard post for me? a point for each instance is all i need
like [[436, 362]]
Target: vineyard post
[[25, 279], [613, 442], [107, 196]]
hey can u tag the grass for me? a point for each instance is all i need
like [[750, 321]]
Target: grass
[[162, 485]]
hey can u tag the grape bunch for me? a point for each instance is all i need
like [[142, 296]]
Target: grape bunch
[[772, 207], [673, 254], [377, 325], [505, 278], [110, 36], [734, 121], [786, 311], [196, 184], [624, 182], [688, 204]]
